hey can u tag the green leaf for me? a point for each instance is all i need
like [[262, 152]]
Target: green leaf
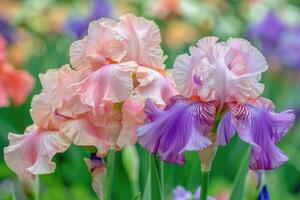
[[153, 185], [239, 181]]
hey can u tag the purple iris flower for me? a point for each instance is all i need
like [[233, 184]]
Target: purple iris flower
[[182, 126], [277, 40], [262, 128], [7, 30], [267, 33], [289, 48], [79, 25]]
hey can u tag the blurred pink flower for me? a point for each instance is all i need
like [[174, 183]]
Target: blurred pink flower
[[13, 83]]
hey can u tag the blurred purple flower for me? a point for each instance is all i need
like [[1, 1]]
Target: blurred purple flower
[[278, 41], [78, 26], [180, 193], [267, 33], [289, 48], [7, 30]]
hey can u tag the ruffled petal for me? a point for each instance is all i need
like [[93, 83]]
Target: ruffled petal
[[222, 71], [30, 154], [226, 129], [109, 83], [174, 131], [141, 41], [262, 129], [154, 85], [183, 74], [57, 98], [94, 49], [83, 132]]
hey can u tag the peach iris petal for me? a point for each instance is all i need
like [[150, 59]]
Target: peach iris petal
[[31, 153], [94, 49], [83, 132], [155, 85], [57, 97], [132, 116], [224, 71], [141, 41], [109, 83]]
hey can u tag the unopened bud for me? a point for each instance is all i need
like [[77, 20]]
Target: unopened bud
[[131, 162]]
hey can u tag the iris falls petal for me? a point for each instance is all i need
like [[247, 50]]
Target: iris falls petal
[[263, 128], [176, 129]]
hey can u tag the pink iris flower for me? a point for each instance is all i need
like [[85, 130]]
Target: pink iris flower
[[98, 100]]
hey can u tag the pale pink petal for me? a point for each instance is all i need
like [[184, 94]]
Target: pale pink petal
[[155, 85], [78, 54], [94, 49], [83, 132], [18, 83], [43, 111], [141, 41], [183, 74], [57, 98], [30, 154], [132, 116], [109, 83], [223, 71]]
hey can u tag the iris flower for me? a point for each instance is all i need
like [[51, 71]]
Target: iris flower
[[219, 86], [97, 101]]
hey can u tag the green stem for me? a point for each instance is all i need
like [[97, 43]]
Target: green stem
[[37, 188], [204, 184], [156, 192], [109, 175], [135, 187], [162, 180]]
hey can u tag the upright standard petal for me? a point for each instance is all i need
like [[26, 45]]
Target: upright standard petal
[[222, 71], [172, 132], [141, 42], [30, 154], [109, 83], [263, 129], [94, 49]]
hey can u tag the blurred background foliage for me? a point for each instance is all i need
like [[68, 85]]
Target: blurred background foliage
[[39, 34]]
